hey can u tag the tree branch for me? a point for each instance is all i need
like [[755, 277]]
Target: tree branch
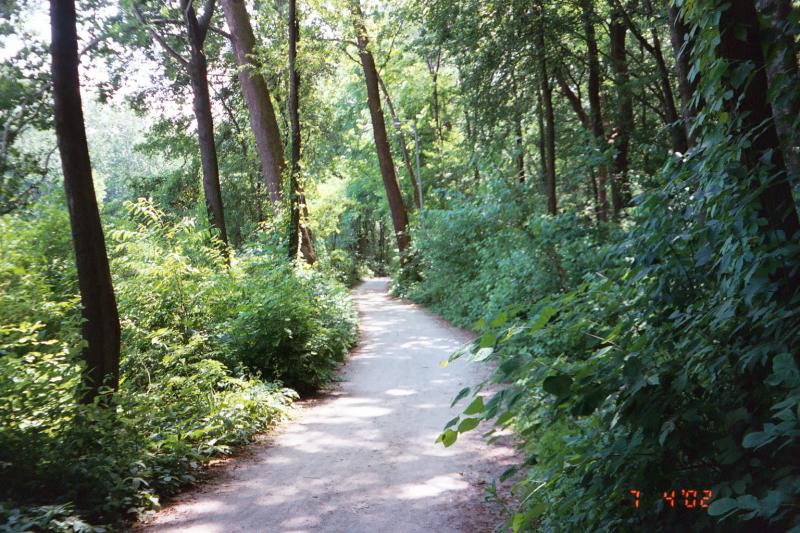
[[573, 98], [177, 22], [158, 37], [634, 30], [205, 19]]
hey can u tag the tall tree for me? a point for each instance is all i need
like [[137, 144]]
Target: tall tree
[[393, 194], [741, 46], [620, 186], [671, 118], [101, 328], [300, 240], [196, 29], [595, 111], [262, 115], [782, 74], [682, 49], [401, 140], [546, 90]]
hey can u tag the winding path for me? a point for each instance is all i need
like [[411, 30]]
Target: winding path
[[363, 458]]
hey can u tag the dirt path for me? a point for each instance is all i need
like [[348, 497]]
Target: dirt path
[[364, 458]]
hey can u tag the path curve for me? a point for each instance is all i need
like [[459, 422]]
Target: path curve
[[363, 459]]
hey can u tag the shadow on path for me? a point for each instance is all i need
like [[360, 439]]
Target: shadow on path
[[363, 459]]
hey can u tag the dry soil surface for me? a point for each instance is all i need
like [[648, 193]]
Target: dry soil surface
[[363, 459]]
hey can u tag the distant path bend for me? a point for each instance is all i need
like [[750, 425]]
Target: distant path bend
[[363, 459]]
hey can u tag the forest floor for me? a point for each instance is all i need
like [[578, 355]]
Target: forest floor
[[362, 457]]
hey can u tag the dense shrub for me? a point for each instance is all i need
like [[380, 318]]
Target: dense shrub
[[497, 253], [198, 338], [663, 362], [297, 331]]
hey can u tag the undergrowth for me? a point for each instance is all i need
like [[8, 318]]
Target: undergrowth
[[209, 354]]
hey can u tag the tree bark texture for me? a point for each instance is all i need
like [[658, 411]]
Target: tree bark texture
[[201, 104], [741, 44], [101, 328], [549, 120], [620, 186], [595, 112], [300, 239], [262, 115], [401, 140], [393, 194], [682, 48]]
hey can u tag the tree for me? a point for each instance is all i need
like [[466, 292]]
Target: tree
[[393, 194], [101, 328], [677, 131], [620, 187], [259, 103], [196, 29], [549, 143], [300, 238], [782, 73], [401, 140], [682, 49], [741, 46], [595, 112]]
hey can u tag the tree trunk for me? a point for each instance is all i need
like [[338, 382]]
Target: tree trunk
[[520, 157], [670, 113], [573, 99], [419, 167], [254, 87], [740, 44], [595, 113], [620, 186], [401, 140], [549, 119], [682, 48], [471, 137], [100, 328], [677, 131], [541, 140], [433, 69], [201, 104], [782, 74], [300, 239], [393, 194]]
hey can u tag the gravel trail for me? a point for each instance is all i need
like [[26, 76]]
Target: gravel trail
[[363, 458]]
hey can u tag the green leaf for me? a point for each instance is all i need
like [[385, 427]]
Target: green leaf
[[667, 428], [449, 437], [519, 520], [722, 506], [468, 424], [499, 320], [558, 385], [452, 422], [475, 407], [460, 396], [613, 334], [545, 315], [487, 340]]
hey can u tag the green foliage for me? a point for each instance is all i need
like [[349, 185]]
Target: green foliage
[[643, 375], [503, 254], [196, 333], [297, 331]]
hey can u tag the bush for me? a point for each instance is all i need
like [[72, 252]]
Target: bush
[[663, 362], [198, 338], [293, 326]]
